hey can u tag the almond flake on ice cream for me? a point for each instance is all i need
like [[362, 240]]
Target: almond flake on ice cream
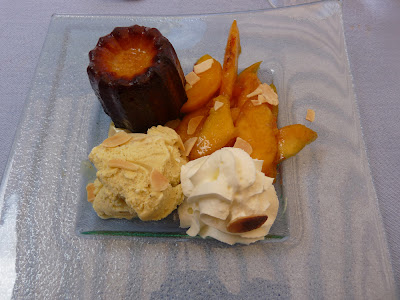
[[116, 140], [158, 181], [122, 164]]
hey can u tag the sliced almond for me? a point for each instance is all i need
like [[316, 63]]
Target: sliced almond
[[245, 224], [116, 140], [310, 115], [204, 66], [187, 86], [180, 144], [261, 99], [193, 124], [218, 105], [122, 164], [173, 123], [242, 144], [256, 102], [189, 144], [192, 78], [269, 94], [90, 192], [138, 136], [257, 91], [158, 181]]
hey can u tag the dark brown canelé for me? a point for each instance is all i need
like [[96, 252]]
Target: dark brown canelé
[[137, 77]]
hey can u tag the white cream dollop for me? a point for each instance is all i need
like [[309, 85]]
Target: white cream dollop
[[225, 186]]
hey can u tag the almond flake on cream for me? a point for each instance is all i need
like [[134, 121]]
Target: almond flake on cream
[[158, 181], [203, 66], [192, 78], [193, 124]]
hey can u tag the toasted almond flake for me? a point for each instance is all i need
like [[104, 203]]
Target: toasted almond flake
[[247, 223], [261, 99], [116, 140], [193, 124], [90, 192], [158, 181], [112, 130], [204, 66], [189, 144], [138, 136], [187, 86], [218, 105], [270, 96], [256, 92], [192, 78], [173, 123], [310, 115], [180, 144], [242, 144], [256, 102], [122, 164]]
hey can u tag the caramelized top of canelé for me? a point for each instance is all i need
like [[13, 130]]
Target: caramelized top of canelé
[[130, 62], [125, 53]]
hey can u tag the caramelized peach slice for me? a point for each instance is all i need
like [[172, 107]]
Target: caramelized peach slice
[[246, 82], [206, 88], [293, 138], [217, 130], [257, 126], [230, 67], [182, 129]]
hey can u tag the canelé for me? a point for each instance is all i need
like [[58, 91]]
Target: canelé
[[137, 77]]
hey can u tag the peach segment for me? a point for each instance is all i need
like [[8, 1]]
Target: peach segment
[[257, 126], [206, 88], [230, 67], [246, 82], [293, 138], [217, 130], [182, 129]]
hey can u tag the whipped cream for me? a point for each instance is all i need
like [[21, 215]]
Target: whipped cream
[[227, 197]]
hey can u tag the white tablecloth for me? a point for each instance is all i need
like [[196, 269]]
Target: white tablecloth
[[371, 29]]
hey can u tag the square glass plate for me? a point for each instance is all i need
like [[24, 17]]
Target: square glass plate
[[335, 245]]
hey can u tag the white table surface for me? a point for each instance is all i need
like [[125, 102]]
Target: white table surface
[[371, 31]]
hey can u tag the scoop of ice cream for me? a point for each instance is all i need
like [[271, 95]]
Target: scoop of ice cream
[[138, 174], [227, 197]]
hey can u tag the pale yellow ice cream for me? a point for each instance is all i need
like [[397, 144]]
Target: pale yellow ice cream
[[140, 177]]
